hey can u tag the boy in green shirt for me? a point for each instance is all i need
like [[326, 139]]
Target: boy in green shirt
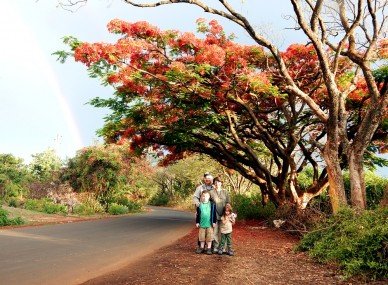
[[205, 220]]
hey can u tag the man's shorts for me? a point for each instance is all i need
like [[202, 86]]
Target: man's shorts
[[205, 234]]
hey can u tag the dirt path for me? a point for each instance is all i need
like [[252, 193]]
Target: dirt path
[[263, 256]]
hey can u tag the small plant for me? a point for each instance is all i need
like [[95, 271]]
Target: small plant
[[87, 209], [83, 210], [52, 208], [132, 206], [44, 205], [159, 199], [15, 202], [117, 209], [89, 205], [34, 205], [6, 221]]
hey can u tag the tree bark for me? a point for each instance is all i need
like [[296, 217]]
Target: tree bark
[[336, 181], [357, 181]]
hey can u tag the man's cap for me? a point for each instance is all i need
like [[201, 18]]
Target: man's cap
[[209, 176]]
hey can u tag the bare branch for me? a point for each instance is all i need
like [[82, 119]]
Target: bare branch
[[315, 16], [193, 2]]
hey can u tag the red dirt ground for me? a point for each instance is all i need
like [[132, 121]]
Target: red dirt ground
[[263, 256]]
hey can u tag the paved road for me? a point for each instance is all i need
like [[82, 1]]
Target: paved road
[[74, 253]]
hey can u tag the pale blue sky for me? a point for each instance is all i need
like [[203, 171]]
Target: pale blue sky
[[43, 100]]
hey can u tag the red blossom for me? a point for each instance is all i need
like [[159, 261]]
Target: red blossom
[[383, 48], [216, 28], [137, 29], [211, 54]]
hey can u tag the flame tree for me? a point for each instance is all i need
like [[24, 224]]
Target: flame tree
[[181, 93]]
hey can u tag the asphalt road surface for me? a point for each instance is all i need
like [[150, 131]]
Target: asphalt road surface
[[74, 253]]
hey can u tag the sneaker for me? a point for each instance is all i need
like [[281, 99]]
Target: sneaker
[[209, 252], [199, 250], [220, 251], [215, 250], [230, 253]]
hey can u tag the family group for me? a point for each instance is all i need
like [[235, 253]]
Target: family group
[[214, 217]]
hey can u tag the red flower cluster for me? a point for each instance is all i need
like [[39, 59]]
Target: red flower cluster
[[212, 54], [383, 48], [138, 29]]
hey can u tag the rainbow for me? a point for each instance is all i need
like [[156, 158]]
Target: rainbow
[[70, 120], [22, 32]]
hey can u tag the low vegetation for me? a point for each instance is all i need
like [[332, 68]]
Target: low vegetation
[[5, 220], [358, 242], [108, 180]]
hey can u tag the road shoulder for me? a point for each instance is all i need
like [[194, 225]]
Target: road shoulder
[[263, 256]]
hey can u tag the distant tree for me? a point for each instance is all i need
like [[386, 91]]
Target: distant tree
[[178, 180], [107, 171], [13, 176], [45, 164]]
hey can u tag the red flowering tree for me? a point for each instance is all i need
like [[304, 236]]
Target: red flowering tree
[[350, 29], [181, 93]]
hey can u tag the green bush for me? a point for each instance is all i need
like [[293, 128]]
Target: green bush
[[89, 205], [250, 207], [44, 205], [34, 205], [358, 242], [15, 202], [132, 206], [6, 221], [14, 176], [84, 210], [52, 208], [160, 199], [116, 209]]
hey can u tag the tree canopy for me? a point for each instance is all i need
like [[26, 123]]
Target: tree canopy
[[238, 103]]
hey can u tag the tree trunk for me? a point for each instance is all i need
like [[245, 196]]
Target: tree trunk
[[336, 182], [357, 180]]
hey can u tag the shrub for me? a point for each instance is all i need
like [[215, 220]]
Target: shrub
[[15, 202], [52, 208], [132, 206], [250, 207], [6, 221], [34, 205], [83, 210], [116, 209], [44, 205], [102, 170], [159, 199], [13, 176], [358, 242], [44, 165], [89, 205]]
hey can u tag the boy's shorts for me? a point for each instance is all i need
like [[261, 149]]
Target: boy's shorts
[[205, 234]]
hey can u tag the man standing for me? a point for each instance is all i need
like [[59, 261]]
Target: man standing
[[206, 186], [220, 197]]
